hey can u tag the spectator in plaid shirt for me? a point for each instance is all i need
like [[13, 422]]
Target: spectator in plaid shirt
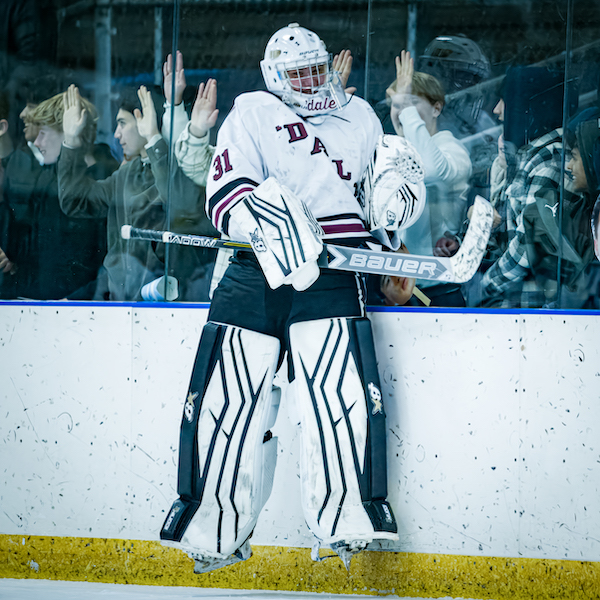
[[596, 227], [531, 109]]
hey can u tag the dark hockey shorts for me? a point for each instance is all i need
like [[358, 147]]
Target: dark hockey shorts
[[244, 299]]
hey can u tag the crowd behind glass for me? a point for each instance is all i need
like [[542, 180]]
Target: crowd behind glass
[[64, 195]]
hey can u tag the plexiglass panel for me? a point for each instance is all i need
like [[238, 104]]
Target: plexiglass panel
[[498, 98]]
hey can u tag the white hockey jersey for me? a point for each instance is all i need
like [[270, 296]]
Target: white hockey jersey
[[320, 162]]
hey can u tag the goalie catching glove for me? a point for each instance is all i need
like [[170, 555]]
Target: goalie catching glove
[[393, 191], [283, 233]]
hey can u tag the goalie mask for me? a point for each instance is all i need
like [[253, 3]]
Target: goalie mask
[[297, 68]]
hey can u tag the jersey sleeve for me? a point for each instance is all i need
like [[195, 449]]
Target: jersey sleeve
[[194, 156], [237, 166]]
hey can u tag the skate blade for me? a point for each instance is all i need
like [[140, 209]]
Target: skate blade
[[205, 564], [347, 550]]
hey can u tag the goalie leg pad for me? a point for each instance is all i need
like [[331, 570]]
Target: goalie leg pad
[[227, 453], [284, 235], [343, 456]]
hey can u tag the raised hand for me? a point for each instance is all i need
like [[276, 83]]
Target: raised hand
[[74, 116], [405, 68], [146, 118], [179, 75], [342, 63], [204, 111], [400, 90]]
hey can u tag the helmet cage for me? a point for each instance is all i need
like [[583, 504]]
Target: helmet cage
[[297, 68], [300, 75], [311, 87]]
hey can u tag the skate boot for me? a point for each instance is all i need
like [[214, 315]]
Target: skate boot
[[204, 564]]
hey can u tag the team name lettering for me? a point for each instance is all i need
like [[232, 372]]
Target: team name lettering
[[297, 132], [325, 104], [319, 147], [340, 170]]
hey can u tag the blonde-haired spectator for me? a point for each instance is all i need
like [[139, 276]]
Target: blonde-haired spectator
[[48, 118], [417, 102]]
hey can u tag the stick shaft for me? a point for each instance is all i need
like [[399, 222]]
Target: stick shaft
[[458, 268]]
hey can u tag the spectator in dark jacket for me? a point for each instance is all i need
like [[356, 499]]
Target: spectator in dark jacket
[[54, 256]]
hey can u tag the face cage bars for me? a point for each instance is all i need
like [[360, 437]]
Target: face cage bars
[[289, 71]]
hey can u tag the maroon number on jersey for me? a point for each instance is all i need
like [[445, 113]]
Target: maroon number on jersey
[[221, 166]]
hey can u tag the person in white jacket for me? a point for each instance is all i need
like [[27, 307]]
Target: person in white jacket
[[417, 102]]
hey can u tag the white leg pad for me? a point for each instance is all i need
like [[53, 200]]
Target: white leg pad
[[236, 462], [331, 400]]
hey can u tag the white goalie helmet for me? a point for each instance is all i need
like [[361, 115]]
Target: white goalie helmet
[[297, 68]]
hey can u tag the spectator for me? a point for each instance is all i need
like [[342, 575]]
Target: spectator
[[596, 227], [53, 256], [579, 273], [531, 108], [417, 102], [459, 64], [194, 155], [461, 67], [40, 87], [6, 142], [136, 194], [6, 149], [19, 48]]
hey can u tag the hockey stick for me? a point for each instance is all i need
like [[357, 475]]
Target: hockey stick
[[454, 269]]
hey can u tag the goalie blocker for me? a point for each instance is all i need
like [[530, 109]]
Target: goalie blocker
[[285, 237]]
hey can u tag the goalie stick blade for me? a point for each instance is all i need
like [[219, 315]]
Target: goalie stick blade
[[455, 269], [470, 254], [386, 263]]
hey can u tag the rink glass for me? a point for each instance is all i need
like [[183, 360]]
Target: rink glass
[[104, 45]]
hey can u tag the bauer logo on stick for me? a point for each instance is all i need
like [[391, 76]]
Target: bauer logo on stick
[[458, 268]]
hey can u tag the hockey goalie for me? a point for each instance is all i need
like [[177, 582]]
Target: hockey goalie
[[285, 177]]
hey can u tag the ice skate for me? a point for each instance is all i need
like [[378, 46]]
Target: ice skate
[[204, 564], [346, 550]]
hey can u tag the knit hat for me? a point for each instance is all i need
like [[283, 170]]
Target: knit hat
[[533, 98]]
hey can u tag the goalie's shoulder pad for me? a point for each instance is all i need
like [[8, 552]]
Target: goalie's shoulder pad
[[284, 234], [393, 190]]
